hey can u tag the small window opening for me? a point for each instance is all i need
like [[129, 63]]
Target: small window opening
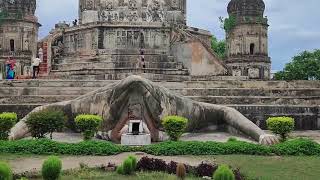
[[251, 49], [11, 45]]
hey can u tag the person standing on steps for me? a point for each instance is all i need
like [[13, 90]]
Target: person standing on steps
[[10, 66], [36, 68]]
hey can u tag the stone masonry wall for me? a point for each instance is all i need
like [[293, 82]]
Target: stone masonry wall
[[307, 118]]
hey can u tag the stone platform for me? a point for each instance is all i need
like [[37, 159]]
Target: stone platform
[[257, 100], [135, 140]]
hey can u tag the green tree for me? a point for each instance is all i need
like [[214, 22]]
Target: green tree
[[219, 47], [305, 66]]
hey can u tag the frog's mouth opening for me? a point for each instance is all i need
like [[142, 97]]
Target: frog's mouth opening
[[138, 105]]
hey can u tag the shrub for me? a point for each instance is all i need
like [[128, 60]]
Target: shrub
[[134, 162], [120, 169], [5, 171], [171, 148], [297, 147], [172, 167], [127, 166], [44, 122], [51, 168], [88, 125], [174, 126], [23, 178], [7, 121], [103, 148], [232, 139], [205, 169], [151, 164], [281, 126], [223, 173], [181, 171], [46, 146]]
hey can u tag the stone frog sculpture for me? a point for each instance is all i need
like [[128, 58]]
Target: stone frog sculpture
[[112, 101]]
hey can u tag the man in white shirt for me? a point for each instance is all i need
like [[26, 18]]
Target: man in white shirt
[[35, 65]]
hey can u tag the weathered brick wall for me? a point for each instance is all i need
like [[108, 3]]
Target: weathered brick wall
[[306, 117], [21, 110]]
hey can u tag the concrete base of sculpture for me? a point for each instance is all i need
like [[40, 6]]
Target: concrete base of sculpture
[[136, 140]]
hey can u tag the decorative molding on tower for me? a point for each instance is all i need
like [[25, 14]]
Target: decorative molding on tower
[[247, 39]]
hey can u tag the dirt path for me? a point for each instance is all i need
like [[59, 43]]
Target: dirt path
[[33, 164]]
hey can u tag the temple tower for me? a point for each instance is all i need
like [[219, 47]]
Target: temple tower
[[171, 11], [18, 34], [247, 39]]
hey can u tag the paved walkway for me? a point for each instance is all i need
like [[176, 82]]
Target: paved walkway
[[21, 165]]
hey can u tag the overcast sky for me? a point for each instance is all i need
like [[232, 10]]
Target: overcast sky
[[294, 24]]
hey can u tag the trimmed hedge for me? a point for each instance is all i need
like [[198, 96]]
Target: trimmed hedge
[[295, 147], [128, 166], [51, 168], [174, 126], [207, 148], [281, 126], [223, 173], [7, 121], [48, 147], [5, 171], [88, 124]]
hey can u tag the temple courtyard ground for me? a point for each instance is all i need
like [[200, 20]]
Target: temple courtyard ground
[[253, 167]]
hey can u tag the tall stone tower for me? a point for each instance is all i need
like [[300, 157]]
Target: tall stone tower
[[247, 39], [18, 33]]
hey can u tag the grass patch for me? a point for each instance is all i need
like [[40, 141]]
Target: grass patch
[[100, 175], [273, 168]]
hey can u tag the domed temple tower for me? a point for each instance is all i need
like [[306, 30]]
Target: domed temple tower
[[18, 34], [117, 38], [247, 39]]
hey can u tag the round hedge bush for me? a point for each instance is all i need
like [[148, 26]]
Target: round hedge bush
[[45, 122], [281, 126], [223, 173], [127, 166], [134, 162], [120, 170], [175, 126], [5, 171], [88, 125], [7, 121], [51, 168]]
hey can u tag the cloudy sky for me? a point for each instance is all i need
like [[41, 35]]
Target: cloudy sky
[[294, 24]]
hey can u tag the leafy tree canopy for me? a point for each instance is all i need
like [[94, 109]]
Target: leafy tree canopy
[[305, 66], [219, 47]]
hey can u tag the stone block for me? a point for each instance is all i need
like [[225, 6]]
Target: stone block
[[135, 140]]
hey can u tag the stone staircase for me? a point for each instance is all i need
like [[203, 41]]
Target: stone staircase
[[117, 67], [257, 100]]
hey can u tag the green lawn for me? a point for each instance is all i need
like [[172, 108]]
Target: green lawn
[[273, 168], [114, 176], [97, 175]]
